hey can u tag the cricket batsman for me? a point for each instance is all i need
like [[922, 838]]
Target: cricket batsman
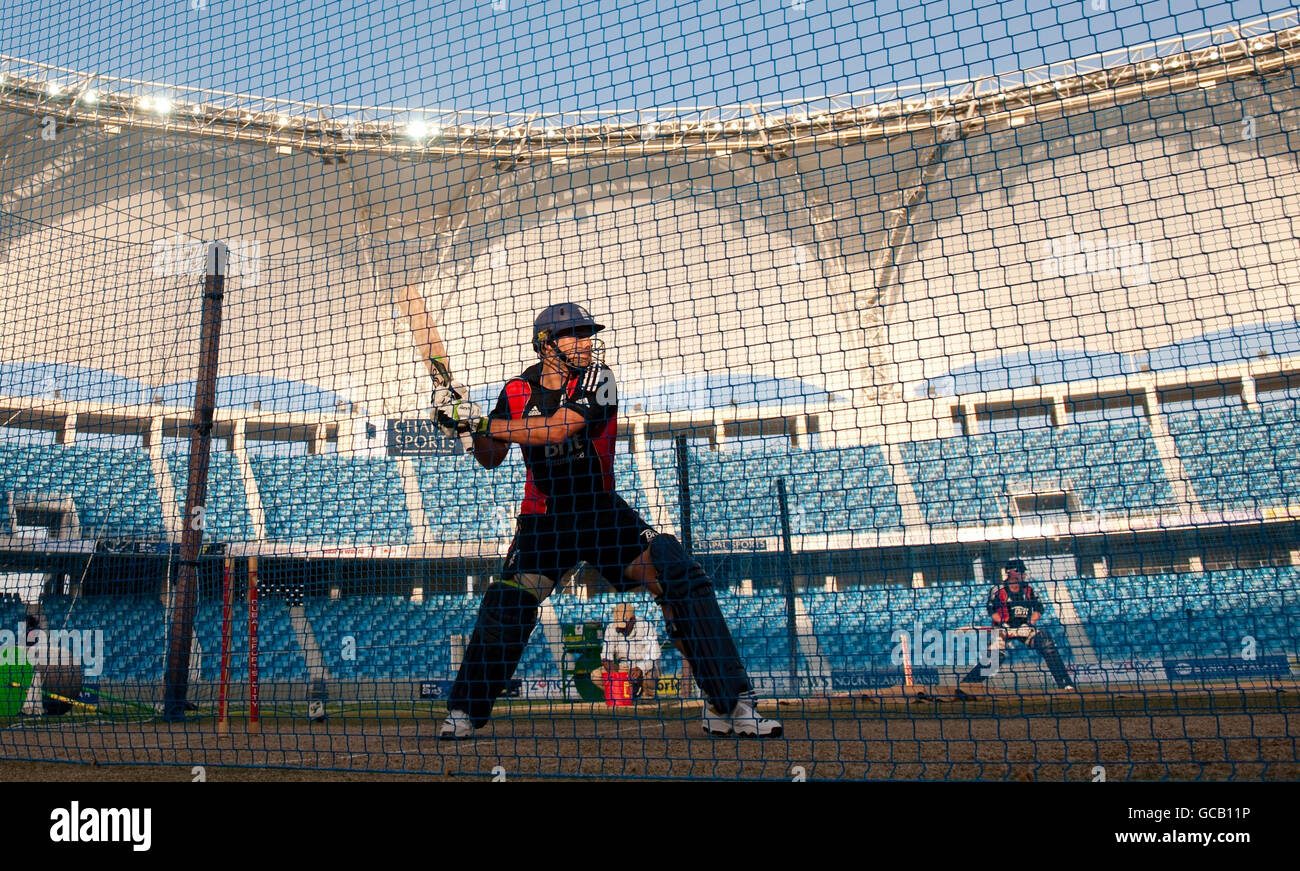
[[563, 414]]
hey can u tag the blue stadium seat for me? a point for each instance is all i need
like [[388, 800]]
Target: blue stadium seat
[[465, 502], [1111, 467], [227, 506], [319, 497], [734, 492], [1241, 458], [113, 488]]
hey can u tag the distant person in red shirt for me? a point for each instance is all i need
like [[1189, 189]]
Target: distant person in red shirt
[[1014, 608]]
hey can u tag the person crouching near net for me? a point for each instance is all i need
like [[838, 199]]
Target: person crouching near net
[[633, 643], [1014, 608], [563, 414]]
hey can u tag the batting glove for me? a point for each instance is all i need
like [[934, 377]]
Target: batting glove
[[445, 395], [461, 416]]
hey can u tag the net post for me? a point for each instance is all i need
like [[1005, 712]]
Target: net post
[[787, 580], [223, 723], [184, 602], [254, 680], [684, 493]]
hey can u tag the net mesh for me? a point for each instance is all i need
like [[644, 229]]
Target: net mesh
[[890, 298]]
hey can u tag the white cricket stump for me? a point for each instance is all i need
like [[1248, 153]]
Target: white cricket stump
[[33, 704]]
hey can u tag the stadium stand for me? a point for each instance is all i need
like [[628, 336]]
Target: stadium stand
[[320, 497], [465, 502], [1189, 614], [227, 516], [12, 611], [855, 627], [1241, 458], [279, 657], [112, 488], [1161, 616], [733, 492], [1110, 467], [392, 637]]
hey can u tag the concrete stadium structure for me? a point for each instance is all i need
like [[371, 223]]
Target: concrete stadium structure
[[861, 249]]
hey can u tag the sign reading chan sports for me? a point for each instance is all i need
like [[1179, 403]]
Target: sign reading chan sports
[[418, 437]]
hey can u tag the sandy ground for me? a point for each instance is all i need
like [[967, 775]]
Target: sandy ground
[[1145, 736]]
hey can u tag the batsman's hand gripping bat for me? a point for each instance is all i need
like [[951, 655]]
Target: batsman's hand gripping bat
[[428, 341]]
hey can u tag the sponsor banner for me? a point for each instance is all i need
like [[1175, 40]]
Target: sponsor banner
[[877, 679], [552, 688], [1221, 668], [310, 550], [729, 545], [780, 685], [1119, 671], [419, 438], [134, 546], [435, 689]]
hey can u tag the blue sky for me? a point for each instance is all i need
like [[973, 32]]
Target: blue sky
[[553, 55]]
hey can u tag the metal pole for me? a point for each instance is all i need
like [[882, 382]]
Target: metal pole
[[787, 570], [184, 603], [684, 493]]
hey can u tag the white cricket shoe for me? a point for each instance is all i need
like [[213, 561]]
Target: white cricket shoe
[[715, 723], [457, 726], [744, 722]]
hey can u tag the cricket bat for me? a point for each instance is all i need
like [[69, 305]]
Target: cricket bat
[[428, 341]]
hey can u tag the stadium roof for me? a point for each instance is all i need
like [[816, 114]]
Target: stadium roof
[[1262, 47]]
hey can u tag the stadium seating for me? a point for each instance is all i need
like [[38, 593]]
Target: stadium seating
[[279, 657], [318, 497], [135, 639], [465, 502], [627, 480], [1190, 614], [856, 627], [1111, 468], [12, 612], [112, 488], [1240, 458], [760, 626], [663, 458], [829, 490], [392, 637], [227, 507]]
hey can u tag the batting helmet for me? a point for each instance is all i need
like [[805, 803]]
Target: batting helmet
[[556, 320]]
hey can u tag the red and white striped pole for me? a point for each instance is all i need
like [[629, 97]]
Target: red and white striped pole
[[254, 714], [223, 697]]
